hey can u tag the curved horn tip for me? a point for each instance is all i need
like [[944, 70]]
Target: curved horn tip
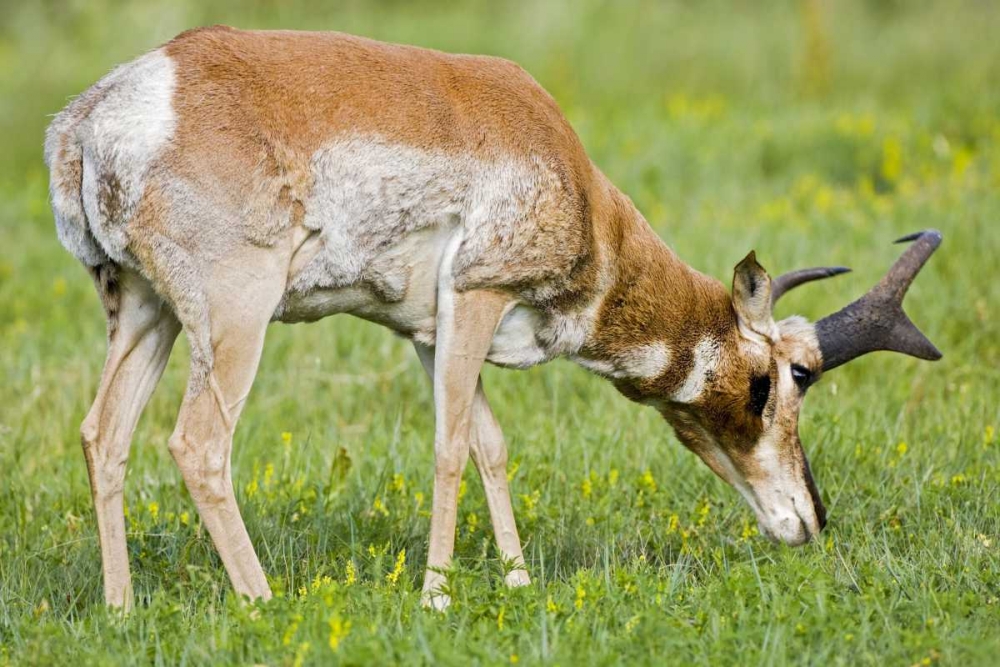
[[926, 351], [838, 270], [933, 234], [908, 339]]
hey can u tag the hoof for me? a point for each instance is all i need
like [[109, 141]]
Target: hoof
[[516, 578], [435, 601]]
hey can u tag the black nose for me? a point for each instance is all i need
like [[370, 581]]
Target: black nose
[[820, 512], [814, 494]]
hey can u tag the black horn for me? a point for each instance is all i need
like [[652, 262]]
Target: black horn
[[792, 279], [876, 321]]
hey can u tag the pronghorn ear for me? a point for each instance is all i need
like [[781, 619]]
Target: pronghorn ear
[[752, 298]]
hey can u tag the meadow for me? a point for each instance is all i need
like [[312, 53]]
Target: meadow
[[814, 132]]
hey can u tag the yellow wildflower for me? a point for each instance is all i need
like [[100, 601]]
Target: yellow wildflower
[[647, 481], [252, 486], [531, 502], [397, 569], [823, 199], [292, 629], [892, 159], [300, 654], [398, 483], [338, 631], [581, 593], [960, 162], [154, 510], [703, 511]]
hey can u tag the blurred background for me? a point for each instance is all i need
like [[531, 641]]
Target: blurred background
[[828, 109], [816, 132]]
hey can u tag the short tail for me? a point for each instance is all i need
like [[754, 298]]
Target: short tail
[[64, 158]]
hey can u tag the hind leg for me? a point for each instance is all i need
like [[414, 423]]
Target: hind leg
[[224, 362], [141, 333]]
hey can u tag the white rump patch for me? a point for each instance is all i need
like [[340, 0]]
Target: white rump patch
[[121, 137], [706, 360]]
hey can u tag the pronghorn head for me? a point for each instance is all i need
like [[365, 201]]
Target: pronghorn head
[[743, 418]]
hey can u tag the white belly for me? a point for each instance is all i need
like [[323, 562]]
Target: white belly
[[397, 290], [413, 265]]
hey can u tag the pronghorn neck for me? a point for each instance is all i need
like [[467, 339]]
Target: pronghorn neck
[[662, 325]]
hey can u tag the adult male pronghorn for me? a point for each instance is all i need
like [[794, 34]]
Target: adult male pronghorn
[[229, 179]]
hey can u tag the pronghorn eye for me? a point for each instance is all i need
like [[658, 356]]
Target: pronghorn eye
[[760, 390], [801, 375]]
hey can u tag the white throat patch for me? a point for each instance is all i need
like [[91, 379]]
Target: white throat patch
[[706, 360]]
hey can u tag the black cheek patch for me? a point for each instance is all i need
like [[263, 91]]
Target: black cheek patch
[[760, 390]]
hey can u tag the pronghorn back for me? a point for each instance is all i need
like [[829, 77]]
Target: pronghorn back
[[223, 138]]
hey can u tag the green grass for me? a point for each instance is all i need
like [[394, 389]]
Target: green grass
[[815, 139]]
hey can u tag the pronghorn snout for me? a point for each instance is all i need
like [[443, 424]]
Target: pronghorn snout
[[793, 522], [788, 504]]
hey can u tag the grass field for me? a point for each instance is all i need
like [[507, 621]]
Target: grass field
[[813, 132]]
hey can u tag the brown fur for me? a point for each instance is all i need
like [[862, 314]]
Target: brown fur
[[253, 107]]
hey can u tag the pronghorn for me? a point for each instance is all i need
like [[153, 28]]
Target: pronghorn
[[229, 179]]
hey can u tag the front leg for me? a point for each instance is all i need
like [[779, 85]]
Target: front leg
[[466, 323], [489, 453]]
